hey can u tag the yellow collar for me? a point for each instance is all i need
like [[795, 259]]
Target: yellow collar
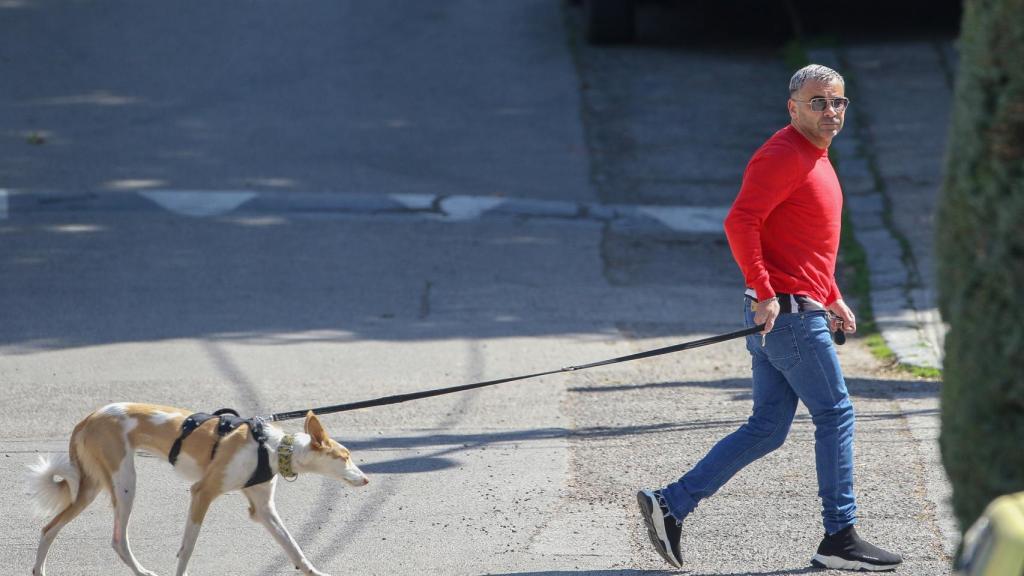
[[284, 457]]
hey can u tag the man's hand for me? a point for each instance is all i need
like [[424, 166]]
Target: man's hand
[[843, 317], [766, 313]]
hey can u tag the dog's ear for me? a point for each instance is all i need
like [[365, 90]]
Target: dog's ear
[[315, 429]]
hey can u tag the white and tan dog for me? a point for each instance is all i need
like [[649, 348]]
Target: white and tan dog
[[101, 456]]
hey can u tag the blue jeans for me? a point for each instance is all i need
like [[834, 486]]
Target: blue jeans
[[797, 362]]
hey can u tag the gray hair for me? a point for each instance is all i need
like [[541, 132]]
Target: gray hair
[[813, 72]]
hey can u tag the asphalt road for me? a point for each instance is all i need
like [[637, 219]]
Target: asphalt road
[[110, 296], [267, 313], [269, 317], [343, 97]]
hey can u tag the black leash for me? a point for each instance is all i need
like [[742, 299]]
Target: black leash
[[438, 392]]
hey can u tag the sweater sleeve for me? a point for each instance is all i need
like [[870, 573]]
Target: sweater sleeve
[[769, 179], [834, 294]]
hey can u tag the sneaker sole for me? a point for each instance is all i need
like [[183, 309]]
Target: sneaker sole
[[837, 563], [655, 528]]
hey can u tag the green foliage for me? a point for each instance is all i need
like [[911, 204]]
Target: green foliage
[[980, 248]]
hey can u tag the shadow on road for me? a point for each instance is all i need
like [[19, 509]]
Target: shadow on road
[[858, 387], [87, 279], [805, 570], [444, 446], [589, 573]]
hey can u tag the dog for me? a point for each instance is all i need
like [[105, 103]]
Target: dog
[[218, 453]]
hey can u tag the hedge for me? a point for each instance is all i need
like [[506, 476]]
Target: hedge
[[980, 254]]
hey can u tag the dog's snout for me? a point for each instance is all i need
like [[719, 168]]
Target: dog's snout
[[357, 482], [355, 478]]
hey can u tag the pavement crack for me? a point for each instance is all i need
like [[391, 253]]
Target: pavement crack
[[428, 287]]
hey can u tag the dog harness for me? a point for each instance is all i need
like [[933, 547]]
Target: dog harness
[[229, 422]]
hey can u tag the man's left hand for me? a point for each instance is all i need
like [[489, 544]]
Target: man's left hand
[[842, 313]]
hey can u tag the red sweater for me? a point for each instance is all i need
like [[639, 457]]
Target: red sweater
[[783, 228]]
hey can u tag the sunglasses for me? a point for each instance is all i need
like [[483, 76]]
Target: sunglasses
[[819, 104]]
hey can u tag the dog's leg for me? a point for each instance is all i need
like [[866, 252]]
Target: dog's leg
[[262, 510], [87, 491], [123, 488], [201, 500]]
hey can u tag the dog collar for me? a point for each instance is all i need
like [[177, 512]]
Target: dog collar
[[284, 457]]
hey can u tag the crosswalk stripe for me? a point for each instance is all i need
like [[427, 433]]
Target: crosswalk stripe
[[706, 219], [198, 203], [454, 208], [468, 207], [414, 201]]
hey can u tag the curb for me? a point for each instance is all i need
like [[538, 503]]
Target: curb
[[454, 208]]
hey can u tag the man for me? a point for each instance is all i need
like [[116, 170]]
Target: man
[[783, 230]]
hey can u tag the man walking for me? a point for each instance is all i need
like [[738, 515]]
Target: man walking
[[783, 230]]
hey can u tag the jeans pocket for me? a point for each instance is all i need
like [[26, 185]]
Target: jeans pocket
[[780, 346]]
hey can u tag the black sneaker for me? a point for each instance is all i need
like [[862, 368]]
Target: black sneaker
[[663, 529], [845, 550]]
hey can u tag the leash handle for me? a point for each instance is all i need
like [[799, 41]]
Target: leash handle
[[398, 398], [839, 337]]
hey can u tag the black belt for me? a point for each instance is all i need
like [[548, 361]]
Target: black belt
[[790, 303], [787, 302]]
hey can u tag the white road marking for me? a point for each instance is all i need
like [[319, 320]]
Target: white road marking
[[455, 208], [3, 204], [468, 207], [414, 201], [688, 218], [198, 203]]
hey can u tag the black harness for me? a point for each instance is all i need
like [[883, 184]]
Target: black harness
[[229, 422]]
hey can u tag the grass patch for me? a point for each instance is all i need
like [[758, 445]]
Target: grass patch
[[881, 350]]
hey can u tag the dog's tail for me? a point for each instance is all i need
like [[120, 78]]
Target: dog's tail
[[53, 484]]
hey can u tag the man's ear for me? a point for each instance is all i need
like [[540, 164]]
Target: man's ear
[[315, 429], [791, 106]]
